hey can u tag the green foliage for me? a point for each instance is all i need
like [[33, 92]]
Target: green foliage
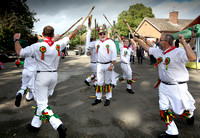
[[14, 17], [133, 16], [76, 40]]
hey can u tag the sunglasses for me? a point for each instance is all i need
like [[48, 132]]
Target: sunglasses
[[102, 33]]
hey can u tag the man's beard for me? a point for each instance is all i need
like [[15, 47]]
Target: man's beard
[[103, 38]]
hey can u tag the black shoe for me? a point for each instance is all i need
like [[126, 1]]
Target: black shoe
[[86, 82], [96, 102], [165, 135], [107, 102], [130, 91], [62, 131], [32, 128], [190, 121], [18, 100]]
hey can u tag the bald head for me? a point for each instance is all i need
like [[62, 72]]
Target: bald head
[[48, 31]]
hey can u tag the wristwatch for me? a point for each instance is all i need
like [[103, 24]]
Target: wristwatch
[[16, 40]]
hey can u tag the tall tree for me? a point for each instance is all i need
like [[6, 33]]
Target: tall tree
[[134, 16], [15, 16]]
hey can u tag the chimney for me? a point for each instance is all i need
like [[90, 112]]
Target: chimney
[[173, 17]]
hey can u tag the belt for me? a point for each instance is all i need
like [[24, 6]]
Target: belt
[[169, 83], [104, 62], [47, 71], [93, 62]]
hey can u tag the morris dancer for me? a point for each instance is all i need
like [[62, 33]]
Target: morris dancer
[[47, 55], [173, 90], [93, 62], [106, 56], [91, 51], [28, 77], [125, 54]]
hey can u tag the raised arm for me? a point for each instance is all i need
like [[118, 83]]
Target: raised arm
[[190, 54], [73, 34], [145, 46], [192, 41], [119, 38], [17, 44], [149, 43], [87, 42]]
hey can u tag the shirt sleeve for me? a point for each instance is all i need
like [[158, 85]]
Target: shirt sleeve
[[63, 43], [154, 51], [121, 46], [87, 42], [27, 51], [182, 56], [92, 44]]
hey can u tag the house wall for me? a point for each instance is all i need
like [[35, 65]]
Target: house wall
[[148, 30]]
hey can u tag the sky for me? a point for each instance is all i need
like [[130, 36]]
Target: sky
[[61, 14]]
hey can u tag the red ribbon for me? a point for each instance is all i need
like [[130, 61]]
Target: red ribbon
[[170, 49], [42, 57], [97, 48], [107, 46], [157, 83], [126, 47]]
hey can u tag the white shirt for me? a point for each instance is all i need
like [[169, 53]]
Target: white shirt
[[125, 54], [106, 52], [51, 57], [30, 63], [91, 49], [176, 71]]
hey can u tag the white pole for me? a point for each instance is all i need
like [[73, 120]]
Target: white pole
[[197, 47]]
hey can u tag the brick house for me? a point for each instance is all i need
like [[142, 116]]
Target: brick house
[[153, 27], [194, 22]]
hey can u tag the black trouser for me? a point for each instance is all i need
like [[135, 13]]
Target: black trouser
[[152, 59], [133, 59], [140, 59]]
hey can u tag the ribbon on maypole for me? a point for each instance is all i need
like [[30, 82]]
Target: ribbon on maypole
[[90, 21], [71, 27]]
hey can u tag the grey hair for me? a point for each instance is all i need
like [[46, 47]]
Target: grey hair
[[169, 38]]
